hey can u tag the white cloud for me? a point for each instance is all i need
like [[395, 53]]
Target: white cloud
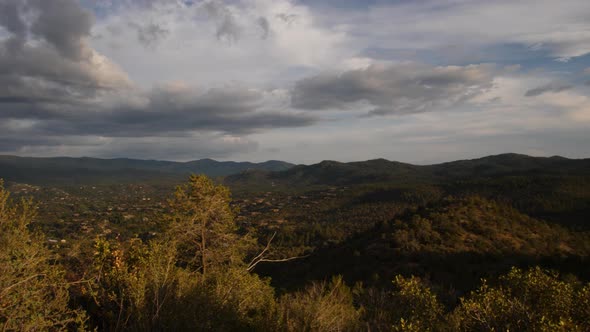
[[211, 43], [216, 79], [559, 27], [501, 119]]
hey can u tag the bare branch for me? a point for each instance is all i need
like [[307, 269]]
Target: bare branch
[[254, 260], [251, 267], [260, 257]]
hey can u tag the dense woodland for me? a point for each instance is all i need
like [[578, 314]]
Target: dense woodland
[[494, 244]]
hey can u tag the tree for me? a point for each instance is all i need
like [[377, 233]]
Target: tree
[[192, 278], [33, 291], [202, 225]]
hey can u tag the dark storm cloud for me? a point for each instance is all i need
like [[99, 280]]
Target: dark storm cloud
[[10, 17], [42, 75], [551, 87], [394, 89], [57, 91], [176, 149], [45, 57], [162, 112], [64, 24], [232, 110]]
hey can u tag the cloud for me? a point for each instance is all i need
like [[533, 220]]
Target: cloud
[[60, 92], [173, 113], [499, 120], [165, 110], [62, 23], [227, 27], [264, 26], [244, 79], [176, 148], [287, 18], [558, 29], [394, 89], [10, 17], [551, 87], [260, 43], [150, 34], [169, 109], [45, 58]]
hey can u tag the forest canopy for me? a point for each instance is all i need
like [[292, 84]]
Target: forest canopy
[[195, 275]]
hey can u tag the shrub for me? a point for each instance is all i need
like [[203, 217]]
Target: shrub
[[33, 291], [321, 306]]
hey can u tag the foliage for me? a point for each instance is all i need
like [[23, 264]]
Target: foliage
[[161, 284], [321, 306], [33, 292], [184, 265], [409, 306], [453, 242], [415, 305], [202, 225], [143, 288], [532, 300], [228, 300], [131, 287]]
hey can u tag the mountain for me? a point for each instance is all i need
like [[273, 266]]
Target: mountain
[[336, 173], [512, 163], [265, 175], [66, 170], [454, 242], [330, 173]]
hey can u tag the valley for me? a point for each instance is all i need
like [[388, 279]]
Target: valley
[[365, 222]]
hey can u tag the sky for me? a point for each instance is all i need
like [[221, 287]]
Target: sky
[[421, 81]]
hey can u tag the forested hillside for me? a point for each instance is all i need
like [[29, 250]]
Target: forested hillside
[[384, 171], [497, 243], [454, 243]]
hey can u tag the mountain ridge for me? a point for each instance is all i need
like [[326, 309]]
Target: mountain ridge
[[69, 170], [381, 170], [36, 170]]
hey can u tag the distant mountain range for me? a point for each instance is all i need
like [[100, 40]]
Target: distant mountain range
[[381, 171], [65, 170]]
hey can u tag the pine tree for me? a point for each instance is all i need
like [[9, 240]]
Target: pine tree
[[202, 226]]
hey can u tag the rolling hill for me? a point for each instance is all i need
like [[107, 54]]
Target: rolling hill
[[332, 173], [449, 241], [65, 170]]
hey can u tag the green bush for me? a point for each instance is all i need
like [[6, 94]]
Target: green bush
[[322, 306], [33, 291], [533, 300]]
